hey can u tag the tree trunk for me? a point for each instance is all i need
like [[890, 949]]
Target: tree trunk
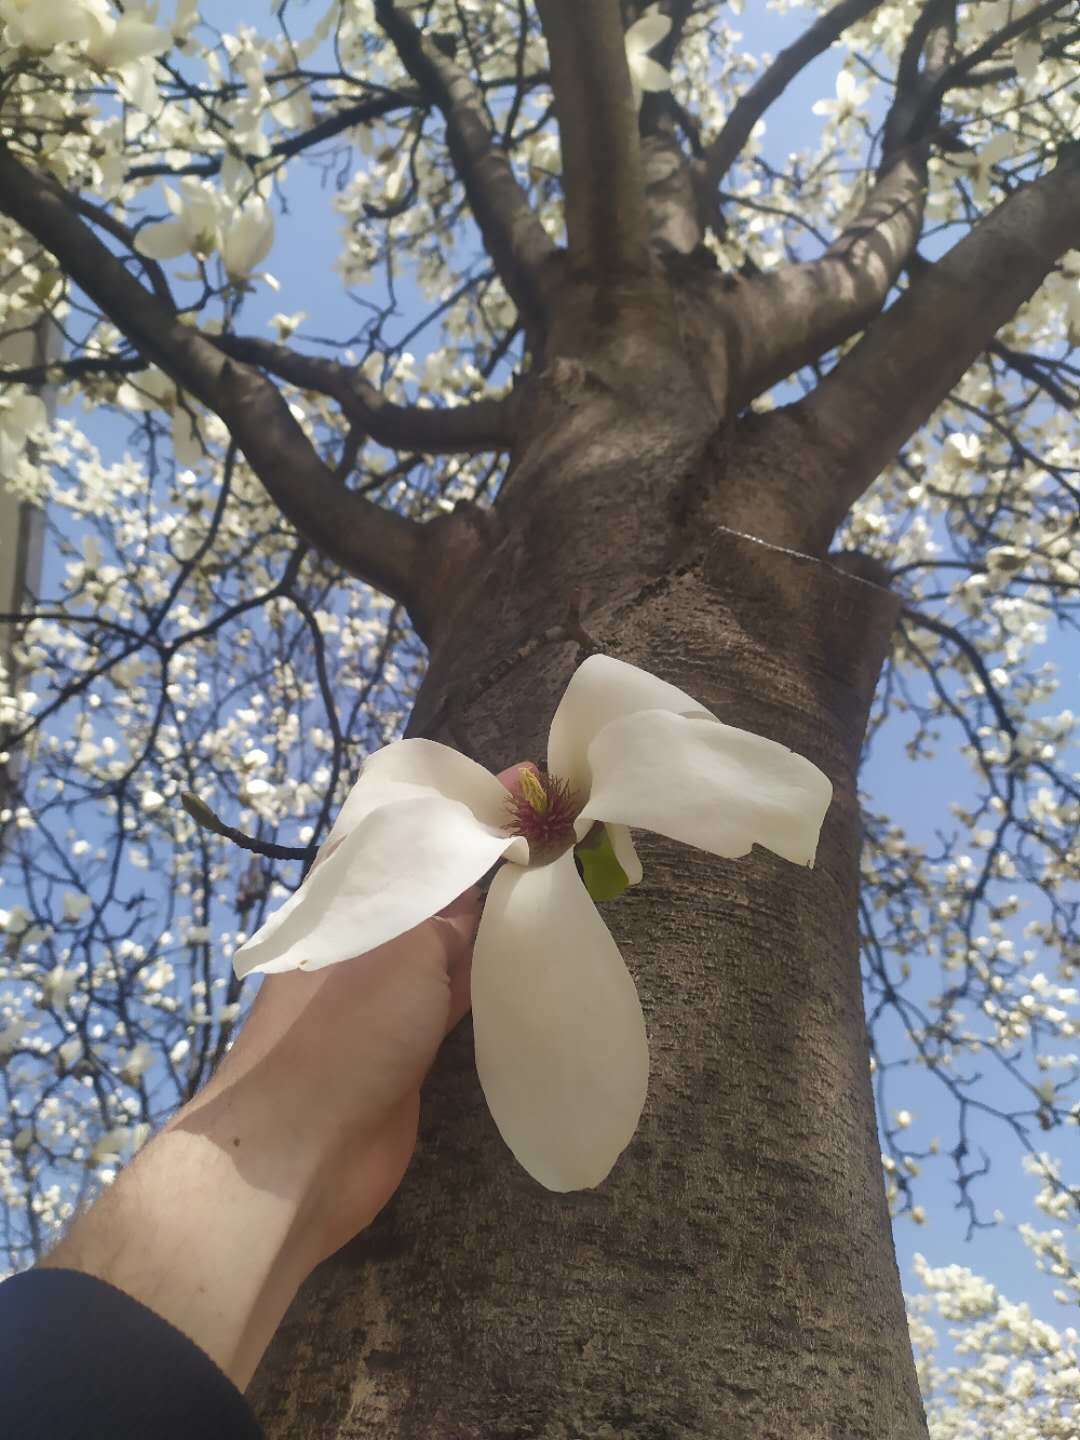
[[735, 1275]]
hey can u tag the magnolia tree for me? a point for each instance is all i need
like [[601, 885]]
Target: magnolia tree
[[774, 457]]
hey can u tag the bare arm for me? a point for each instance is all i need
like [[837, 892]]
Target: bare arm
[[215, 1246], [291, 1149]]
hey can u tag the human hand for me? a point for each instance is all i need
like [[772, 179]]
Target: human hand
[[338, 1057]]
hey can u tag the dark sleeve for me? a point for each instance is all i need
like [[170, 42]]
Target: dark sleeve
[[81, 1360]]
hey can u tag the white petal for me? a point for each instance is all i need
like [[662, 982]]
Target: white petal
[[401, 864], [27, 414], [627, 856], [999, 147], [188, 450], [650, 75], [131, 39], [410, 769], [248, 237], [707, 784], [200, 209], [601, 690], [137, 84], [561, 1049], [164, 241], [846, 86], [646, 32]]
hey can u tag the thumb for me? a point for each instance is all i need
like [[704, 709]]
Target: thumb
[[509, 776]]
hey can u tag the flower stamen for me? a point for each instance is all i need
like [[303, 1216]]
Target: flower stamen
[[543, 809]]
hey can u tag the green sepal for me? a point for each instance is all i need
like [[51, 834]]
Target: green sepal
[[604, 877]]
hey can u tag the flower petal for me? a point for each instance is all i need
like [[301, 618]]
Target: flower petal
[[647, 31], [188, 449], [650, 75], [398, 866], [627, 856], [560, 1038], [602, 689], [163, 241], [707, 784], [410, 769]]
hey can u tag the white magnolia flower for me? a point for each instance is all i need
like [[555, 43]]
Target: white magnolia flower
[[560, 1038], [70, 1051], [116, 41], [286, 324], [850, 99], [110, 1144], [978, 167], [44, 24], [58, 985], [1027, 56], [153, 390], [11, 1034], [22, 414], [194, 228], [644, 35], [15, 921], [127, 45], [75, 905], [247, 238], [136, 1062]]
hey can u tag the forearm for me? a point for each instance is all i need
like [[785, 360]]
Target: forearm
[[293, 1147], [207, 1227]]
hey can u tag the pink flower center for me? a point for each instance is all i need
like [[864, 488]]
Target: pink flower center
[[543, 808]]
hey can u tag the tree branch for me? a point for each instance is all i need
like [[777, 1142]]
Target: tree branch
[[933, 14], [375, 544], [722, 152], [485, 424], [956, 73], [603, 186], [787, 318], [975, 660], [927, 54], [1028, 366], [513, 236], [885, 388], [74, 369], [774, 323]]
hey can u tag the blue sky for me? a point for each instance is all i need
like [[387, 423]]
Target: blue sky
[[915, 795]]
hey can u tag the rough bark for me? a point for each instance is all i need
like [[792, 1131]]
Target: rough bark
[[606, 219], [735, 1274]]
